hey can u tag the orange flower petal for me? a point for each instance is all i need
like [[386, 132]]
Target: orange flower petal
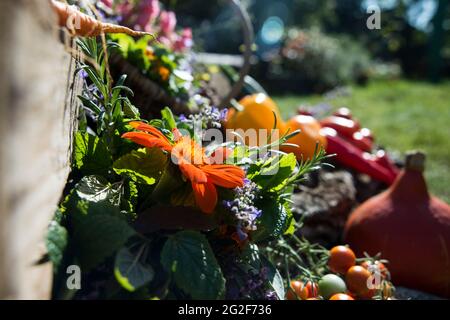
[[141, 126], [205, 196], [227, 176], [191, 172], [147, 140]]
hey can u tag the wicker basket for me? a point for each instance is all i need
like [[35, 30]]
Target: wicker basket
[[151, 98]]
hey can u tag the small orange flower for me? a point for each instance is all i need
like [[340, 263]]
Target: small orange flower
[[193, 163], [164, 73]]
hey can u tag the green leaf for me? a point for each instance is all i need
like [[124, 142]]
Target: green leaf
[[95, 188], [272, 174], [274, 277], [124, 41], [290, 225], [143, 166], [90, 105], [56, 243], [251, 257], [130, 196], [91, 155], [273, 221], [188, 255], [130, 270], [130, 110], [99, 231], [168, 118], [118, 89]]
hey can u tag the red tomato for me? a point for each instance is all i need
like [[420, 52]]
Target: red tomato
[[341, 259]]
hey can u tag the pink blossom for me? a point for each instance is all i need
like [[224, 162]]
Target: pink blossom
[[125, 9], [107, 3], [148, 12], [168, 22], [167, 42], [184, 41]]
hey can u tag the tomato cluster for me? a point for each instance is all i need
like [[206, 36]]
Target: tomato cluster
[[347, 279]]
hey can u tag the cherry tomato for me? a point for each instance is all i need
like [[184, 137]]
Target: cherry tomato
[[356, 279], [302, 291], [309, 290], [295, 290], [376, 267], [341, 296], [341, 259], [331, 284]]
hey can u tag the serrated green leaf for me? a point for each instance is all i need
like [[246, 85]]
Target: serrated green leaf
[[273, 173], [95, 188], [56, 243], [273, 220], [130, 271], [91, 155], [99, 231], [143, 166], [188, 256]]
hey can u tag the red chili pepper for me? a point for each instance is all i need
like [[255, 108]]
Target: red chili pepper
[[363, 143], [344, 127], [383, 159], [351, 156], [344, 113], [367, 133]]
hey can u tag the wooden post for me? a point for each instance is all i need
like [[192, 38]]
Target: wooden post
[[38, 107]]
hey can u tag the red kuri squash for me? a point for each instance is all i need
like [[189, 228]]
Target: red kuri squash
[[410, 228]]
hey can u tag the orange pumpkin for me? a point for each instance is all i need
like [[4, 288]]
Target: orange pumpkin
[[308, 137], [257, 113]]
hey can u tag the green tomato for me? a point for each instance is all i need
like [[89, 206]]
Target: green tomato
[[331, 284]]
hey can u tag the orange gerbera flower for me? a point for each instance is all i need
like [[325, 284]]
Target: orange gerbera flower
[[193, 163]]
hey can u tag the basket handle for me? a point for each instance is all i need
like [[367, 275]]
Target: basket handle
[[248, 42]]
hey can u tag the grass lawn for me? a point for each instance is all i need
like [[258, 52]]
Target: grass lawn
[[402, 115]]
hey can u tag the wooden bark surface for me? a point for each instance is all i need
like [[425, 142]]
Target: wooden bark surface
[[38, 107]]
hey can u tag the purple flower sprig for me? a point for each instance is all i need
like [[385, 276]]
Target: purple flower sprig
[[243, 209], [208, 115]]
